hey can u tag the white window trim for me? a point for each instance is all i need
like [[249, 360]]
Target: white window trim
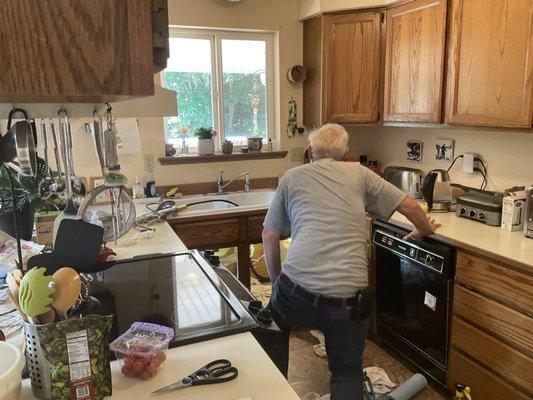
[[216, 36]]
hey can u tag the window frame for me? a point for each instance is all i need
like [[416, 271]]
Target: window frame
[[217, 81]]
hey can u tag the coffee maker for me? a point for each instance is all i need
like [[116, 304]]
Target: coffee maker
[[437, 190]]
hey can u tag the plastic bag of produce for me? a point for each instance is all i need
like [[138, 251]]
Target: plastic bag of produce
[[77, 352]]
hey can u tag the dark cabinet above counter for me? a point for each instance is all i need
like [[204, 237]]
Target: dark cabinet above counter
[[60, 51]]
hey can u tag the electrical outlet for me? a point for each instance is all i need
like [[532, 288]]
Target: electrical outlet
[[469, 162], [149, 162], [296, 154]]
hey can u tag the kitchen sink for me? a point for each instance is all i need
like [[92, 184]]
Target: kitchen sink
[[255, 199]]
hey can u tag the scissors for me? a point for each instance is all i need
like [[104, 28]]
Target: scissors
[[217, 371]]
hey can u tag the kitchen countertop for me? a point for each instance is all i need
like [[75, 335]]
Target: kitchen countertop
[[508, 247], [258, 376]]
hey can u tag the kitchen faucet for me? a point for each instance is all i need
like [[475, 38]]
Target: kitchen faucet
[[221, 184]]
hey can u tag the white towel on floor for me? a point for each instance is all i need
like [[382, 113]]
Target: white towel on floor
[[380, 380]]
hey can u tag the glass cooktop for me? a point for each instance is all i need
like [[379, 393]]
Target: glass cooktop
[[180, 291]]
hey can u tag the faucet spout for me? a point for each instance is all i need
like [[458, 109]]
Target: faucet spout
[[221, 184]]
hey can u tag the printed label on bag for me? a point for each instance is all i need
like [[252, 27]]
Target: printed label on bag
[[79, 361], [430, 301]]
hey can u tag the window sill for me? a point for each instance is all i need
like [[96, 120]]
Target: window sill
[[219, 157]]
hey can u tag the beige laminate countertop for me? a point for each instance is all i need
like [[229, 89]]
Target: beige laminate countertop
[[493, 242], [258, 379]]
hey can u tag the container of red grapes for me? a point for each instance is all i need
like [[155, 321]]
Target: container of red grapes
[[141, 349]]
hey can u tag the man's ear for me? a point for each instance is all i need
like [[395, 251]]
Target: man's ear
[[310, 153]]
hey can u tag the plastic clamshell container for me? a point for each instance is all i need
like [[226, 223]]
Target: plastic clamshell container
[[11, 364], [141, 349]]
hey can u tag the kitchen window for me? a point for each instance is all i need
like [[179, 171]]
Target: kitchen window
[[222, 80]]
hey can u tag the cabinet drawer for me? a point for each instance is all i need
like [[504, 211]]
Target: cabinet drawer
[[210, 234], [255, 228], [495, 281], [484, 384], [507, 325], [511, 365]]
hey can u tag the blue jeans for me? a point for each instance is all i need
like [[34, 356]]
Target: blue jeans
[[345, 337]]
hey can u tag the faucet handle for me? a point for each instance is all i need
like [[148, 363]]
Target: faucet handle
[[247, 182]]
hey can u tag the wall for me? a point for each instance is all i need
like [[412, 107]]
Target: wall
[[309, 8], [507, 155], [279, 16]]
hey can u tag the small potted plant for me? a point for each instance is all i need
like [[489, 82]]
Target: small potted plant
[[227, 147], [206, 140]]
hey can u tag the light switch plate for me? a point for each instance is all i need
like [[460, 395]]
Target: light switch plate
[[296, 154], [149, 162]]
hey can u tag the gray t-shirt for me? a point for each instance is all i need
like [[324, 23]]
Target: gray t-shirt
[[323, 206]]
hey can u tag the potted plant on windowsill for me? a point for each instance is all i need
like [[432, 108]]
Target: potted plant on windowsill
[[206, 140]]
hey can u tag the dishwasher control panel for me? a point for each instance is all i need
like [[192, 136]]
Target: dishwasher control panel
[[394, 242]]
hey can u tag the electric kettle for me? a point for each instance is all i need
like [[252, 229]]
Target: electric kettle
[[437, 190]]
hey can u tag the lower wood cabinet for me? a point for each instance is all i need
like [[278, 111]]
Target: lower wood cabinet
[[223, 230], [491, 344], [209, 234]]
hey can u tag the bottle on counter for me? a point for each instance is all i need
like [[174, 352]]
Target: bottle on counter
[[269, 145], [137, 190], [149, 189]]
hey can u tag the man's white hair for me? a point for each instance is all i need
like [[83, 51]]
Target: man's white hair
[[329, 141]]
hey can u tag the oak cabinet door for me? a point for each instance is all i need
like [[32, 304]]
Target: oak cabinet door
[[88, 51], [414, 61], [490, 68], [352, 67]]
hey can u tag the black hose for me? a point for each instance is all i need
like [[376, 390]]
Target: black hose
[[212, 201]]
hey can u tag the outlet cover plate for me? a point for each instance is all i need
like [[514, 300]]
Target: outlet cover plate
[[149, 162], [296, 154]]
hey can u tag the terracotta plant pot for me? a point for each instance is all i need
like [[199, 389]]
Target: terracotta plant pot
[[206, 146]]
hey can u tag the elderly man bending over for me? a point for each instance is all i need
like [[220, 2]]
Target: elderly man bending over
[[323, 281]]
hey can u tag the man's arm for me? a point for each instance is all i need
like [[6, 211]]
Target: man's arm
[[272, 253], [424, 225]]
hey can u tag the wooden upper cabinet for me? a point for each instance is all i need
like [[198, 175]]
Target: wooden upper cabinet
[[352, 50], [490, 71], [313, 87], [414, 61], [79, 51]]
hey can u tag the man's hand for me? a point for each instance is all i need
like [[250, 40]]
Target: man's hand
[[416, 233], [424, 225]]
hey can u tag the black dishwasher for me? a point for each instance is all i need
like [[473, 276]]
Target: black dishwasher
[[414, 283]]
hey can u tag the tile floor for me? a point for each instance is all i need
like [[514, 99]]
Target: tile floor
[[309, 373]]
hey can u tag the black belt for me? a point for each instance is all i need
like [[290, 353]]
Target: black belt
[[334, 302]]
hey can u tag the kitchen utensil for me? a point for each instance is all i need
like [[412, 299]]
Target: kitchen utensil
[[217, 371], [437, 191], [407, 179], [67, 287], [25, 145], [528, 223], [47, 185], [35, 293], [70, 211], [11, 366], [78, 244], [60, 181], [99, 139], [48, 317], [14, 299], [117, 218]]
